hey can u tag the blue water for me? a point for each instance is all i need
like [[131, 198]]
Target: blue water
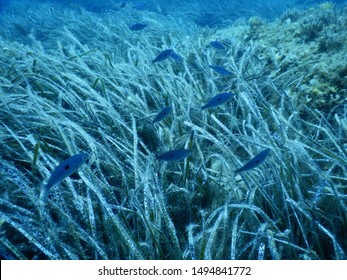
[[204, 12]]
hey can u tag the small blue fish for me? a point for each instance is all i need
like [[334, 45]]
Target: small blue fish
[[163, 55], [218, 100], [122, 5], [254, 162], [63, 170], [162, 114], [137, 26], [217, 45], [174, 155], [220, 70], [176, 57]]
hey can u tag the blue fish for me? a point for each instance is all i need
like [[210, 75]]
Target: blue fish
[[174, 155], [218, 100], [163, 55], [254, 162], [176, 57], [63, 170], [217, 45], [137, 26], [162, 114], [220, 70]]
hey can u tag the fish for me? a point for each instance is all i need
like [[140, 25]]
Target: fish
[[137, 26], [123, 5], [254, 162], [220, 70], [218, 100], [63, 170], [163, 55], [174, 155], [162, 114], [176, 57], [217, 45]]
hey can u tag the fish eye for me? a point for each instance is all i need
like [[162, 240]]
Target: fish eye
[[67, 167]]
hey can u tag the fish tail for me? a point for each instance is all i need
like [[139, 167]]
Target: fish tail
[[234, 173]]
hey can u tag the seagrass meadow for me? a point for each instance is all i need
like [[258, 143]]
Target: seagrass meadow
[[73, 81]]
